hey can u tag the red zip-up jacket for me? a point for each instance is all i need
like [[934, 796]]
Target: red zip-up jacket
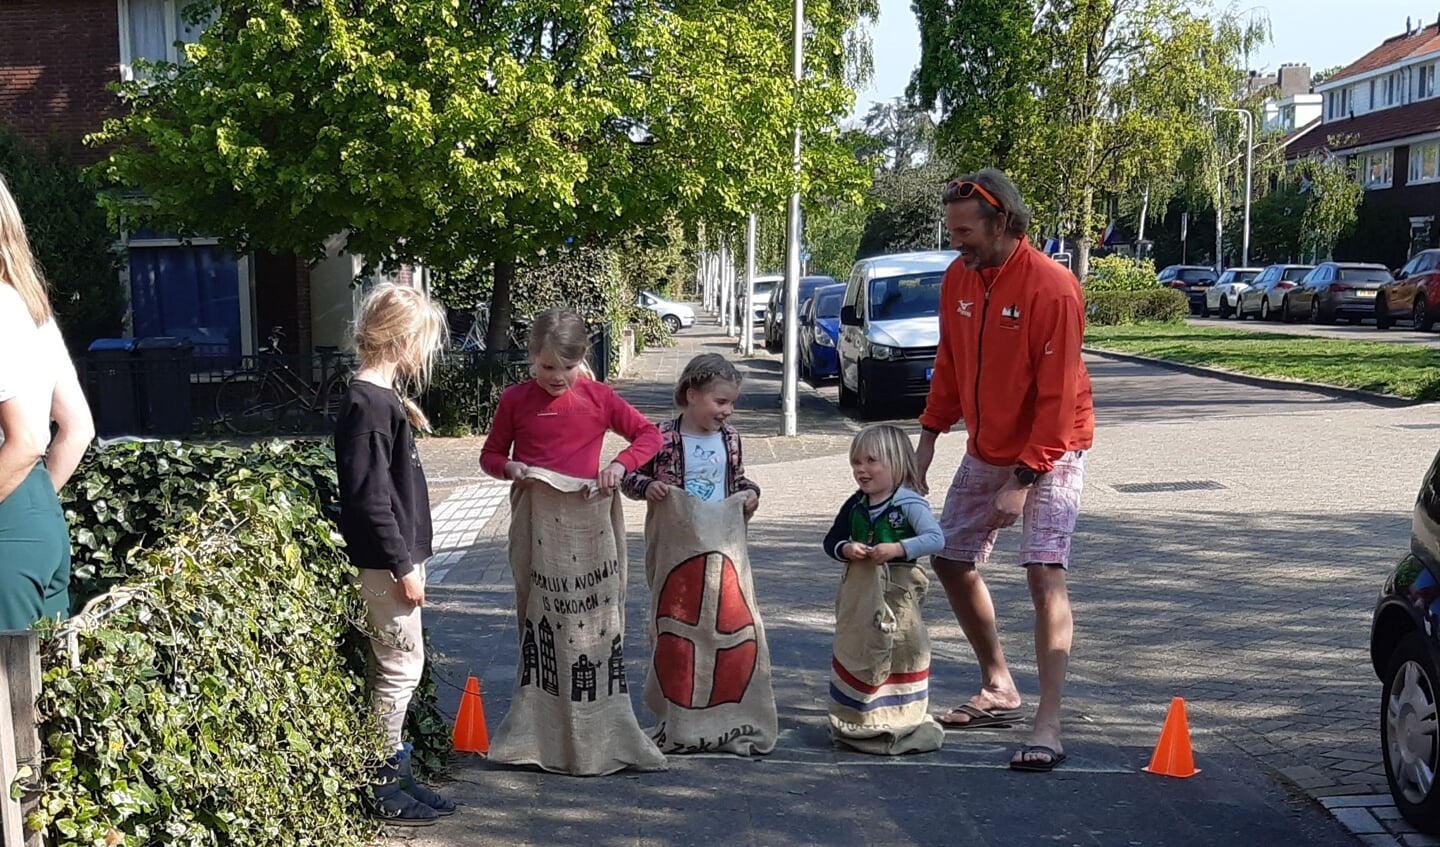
[[1009, 361]]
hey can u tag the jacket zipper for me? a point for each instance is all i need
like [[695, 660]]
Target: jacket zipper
[[979, 360]]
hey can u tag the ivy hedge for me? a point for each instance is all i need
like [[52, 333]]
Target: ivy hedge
[[222, 701]]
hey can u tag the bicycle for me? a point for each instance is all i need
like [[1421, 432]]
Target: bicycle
[[256, 399]]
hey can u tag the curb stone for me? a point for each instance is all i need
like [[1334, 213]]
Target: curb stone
[[1372, 397]]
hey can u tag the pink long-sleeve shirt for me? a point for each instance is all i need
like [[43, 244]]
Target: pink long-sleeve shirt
[[565, 434]]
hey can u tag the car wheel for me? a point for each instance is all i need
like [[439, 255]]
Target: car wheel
[[1421, 316], [866, 402], [1285, 314], [1226, 310], [847, 397], [1315, 311], [672, 323], [1408, 732], [1265, 310], [1239, 309], [1382, 314]]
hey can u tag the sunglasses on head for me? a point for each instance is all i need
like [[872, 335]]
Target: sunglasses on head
[[964, 190]]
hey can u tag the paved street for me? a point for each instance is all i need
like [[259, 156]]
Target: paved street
[[1232, 542], [1401, 333]]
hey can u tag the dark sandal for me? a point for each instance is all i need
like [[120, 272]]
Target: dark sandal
[[1051, 761], [978, 718]]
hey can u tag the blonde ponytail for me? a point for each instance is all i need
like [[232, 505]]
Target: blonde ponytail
[[400, 324]]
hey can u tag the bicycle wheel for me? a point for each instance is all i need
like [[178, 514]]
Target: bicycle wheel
[[327, 402], [248, 403]]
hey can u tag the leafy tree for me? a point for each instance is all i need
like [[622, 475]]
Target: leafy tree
[[908, 211], [470, 135], [903, 132], [979, 64], [69, 237], [1335, 194], [1320, 76]]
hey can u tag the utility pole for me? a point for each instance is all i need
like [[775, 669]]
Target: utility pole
[[791, 362], [747, 343], [1249, 175]]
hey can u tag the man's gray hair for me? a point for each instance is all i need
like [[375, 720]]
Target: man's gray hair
[[994, 181]]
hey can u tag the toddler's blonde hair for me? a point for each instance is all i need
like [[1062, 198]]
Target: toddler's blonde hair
[[892, 447], [398, 323]]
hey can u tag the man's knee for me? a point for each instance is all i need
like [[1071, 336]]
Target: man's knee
[[1046, 581]]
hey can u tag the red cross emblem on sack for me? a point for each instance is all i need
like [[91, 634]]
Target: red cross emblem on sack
[[705, 646]]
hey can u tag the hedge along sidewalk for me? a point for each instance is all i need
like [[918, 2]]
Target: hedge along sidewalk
[[1391, 370]]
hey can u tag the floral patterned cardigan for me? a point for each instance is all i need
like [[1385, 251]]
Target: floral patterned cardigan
[[668, 466]]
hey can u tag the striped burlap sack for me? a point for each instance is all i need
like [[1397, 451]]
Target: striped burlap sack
[[709, 680], [571, 712], [880, 671]]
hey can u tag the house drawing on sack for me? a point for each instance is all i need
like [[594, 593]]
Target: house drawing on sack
[[1382, 113], [56, 59]]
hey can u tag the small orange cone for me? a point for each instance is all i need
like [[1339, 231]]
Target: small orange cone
[[1173, 756], [470, 735]]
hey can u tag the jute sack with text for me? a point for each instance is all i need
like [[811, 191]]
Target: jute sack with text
[[709, 679], [571, 710], [880, 671]]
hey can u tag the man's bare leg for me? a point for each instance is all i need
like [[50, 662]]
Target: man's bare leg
[[970, 600], [1054, 628]]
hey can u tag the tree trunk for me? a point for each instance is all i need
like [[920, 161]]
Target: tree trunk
[[497, 334], [1082, 237]]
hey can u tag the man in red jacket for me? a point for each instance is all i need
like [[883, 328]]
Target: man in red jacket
[[1009, 366]]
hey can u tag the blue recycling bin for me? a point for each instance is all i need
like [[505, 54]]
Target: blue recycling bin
[[165, 365], [111, 385]]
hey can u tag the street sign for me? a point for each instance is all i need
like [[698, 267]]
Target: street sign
[[1184, 225]]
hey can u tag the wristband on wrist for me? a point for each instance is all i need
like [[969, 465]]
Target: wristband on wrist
[[1027, 476]]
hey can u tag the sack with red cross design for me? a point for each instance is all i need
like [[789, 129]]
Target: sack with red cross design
[[709, 680], [571, 712]]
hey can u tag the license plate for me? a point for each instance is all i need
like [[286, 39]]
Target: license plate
[[929, 372], [1365, 292]]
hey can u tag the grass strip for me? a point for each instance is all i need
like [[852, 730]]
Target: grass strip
[[1404, 370]]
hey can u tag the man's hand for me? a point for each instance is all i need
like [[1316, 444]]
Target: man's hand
[[515, 471], [1008, 505], [924, 455], [410, 588], [752, 502], [609, 478], [854, 551], [657, 491], [887, 552]]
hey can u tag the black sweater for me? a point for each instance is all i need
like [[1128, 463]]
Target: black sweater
[[384, 502]]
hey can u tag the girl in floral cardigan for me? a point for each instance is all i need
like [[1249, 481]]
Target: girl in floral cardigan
[[701, 452]]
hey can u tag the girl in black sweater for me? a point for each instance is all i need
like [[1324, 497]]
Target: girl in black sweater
[[385, 519]]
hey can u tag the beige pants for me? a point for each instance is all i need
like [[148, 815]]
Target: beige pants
[[397, 653]]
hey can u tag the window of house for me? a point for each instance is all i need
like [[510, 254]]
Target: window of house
[[153, 30], [1376, 168], [1424, 162]]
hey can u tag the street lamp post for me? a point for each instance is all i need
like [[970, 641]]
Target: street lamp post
[[1249, 172], [790, 382], [747, 341]]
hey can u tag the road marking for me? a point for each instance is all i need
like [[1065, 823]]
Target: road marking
[[458, 522]]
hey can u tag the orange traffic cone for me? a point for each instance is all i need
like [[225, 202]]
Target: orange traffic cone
[[470, 734], [1173, 756]]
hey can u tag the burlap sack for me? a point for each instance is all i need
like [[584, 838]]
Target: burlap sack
[[880, 672], [571, 711], [709, 679]]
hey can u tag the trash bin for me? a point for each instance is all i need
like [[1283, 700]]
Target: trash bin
[[111, 386], [165, 366]]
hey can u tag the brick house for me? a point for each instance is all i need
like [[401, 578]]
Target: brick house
[[1382, 112], [57, 58]]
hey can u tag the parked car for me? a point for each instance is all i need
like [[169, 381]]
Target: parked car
[[819, 330], [775, 308], [1267, 291], [1220, 298], [1194, 280], [760, 300], [1345, 290], [1405, 654], [889, 329], [675, 315], [1414, 293]]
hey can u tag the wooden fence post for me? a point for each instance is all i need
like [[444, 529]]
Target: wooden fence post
[[19, 737]]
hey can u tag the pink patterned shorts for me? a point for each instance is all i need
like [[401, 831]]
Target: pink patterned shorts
[[1051, 509]]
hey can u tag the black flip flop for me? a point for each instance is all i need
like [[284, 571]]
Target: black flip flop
[[980, 718], [1045, 766]]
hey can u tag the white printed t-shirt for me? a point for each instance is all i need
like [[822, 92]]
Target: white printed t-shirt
[[705, 465]]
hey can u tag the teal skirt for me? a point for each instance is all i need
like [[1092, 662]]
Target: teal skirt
[[34, 554]]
